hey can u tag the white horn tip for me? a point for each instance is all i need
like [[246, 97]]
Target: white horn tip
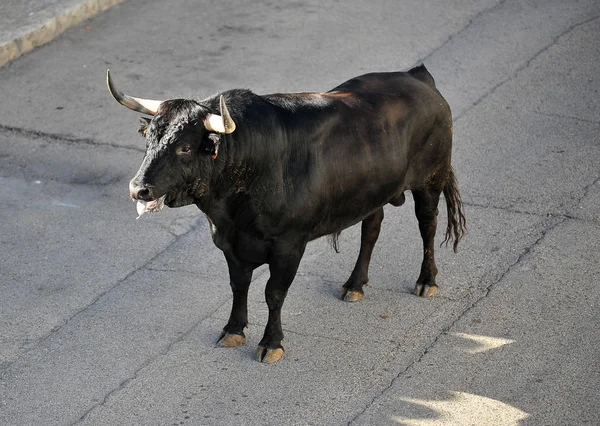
[[215, 123]]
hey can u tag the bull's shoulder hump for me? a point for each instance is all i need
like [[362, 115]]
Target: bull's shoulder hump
[[387, 83]]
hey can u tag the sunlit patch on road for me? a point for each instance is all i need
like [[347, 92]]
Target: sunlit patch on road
[[484, 343], [464, 409]]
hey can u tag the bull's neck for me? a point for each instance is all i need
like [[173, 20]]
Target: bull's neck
[[232, 172], [253, 157]]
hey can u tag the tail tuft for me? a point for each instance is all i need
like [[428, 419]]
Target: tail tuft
[[457, 223], [333, 240]]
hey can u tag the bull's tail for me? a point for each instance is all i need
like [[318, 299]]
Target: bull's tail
[[457, 223], [421, 73]]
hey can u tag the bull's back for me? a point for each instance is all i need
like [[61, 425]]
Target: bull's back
[[397, 83], [393, 131], [369, 142]]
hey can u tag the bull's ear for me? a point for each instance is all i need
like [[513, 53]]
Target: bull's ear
[[213, 148], [144, 122]]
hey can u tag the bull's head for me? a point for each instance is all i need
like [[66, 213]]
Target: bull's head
[[181, 137]]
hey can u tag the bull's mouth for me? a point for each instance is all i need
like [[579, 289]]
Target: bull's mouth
[[150, 206]]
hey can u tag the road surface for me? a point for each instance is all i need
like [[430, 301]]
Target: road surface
[[108, 320]]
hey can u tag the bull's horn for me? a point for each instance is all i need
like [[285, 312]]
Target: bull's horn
[[220, 123], [145, 106]]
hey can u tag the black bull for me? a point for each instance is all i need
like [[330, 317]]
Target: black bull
[[274, 172]]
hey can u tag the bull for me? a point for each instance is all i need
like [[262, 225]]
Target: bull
[[273, 172]]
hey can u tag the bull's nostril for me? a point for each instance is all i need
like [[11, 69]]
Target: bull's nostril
[[143, 194]]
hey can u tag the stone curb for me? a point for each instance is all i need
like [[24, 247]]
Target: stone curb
[[31, 39]]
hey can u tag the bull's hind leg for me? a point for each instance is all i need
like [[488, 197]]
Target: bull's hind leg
[[352, 290], [426, 209]]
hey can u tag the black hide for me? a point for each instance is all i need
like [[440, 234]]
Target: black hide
[[300, 166]]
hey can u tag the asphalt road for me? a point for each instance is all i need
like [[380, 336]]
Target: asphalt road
[[105, 320]]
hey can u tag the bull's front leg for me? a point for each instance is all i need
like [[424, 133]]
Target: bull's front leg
[[283, 268], [240, 276]]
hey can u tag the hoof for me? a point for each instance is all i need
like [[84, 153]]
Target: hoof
[[268, 355], [353, 296], [230, 340], [425, 290]]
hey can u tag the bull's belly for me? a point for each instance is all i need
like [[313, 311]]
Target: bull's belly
[[334, 228], [343, 215], [307, 221]]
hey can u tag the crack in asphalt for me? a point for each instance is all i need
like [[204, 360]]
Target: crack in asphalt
[[586, 191], [577, 202], [543, 50], [464, 28], [568, 117], [178, 270], [65, 139], [507, 209], [574, 200], [147, 363], [195, 222], [557, 38], [553, 224], [56, 329]]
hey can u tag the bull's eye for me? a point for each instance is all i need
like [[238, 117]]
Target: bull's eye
[[184, 149]]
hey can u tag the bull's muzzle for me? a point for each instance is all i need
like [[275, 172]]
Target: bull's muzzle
[[140, 192]]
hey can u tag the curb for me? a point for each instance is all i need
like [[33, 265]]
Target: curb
[[52, 28]]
